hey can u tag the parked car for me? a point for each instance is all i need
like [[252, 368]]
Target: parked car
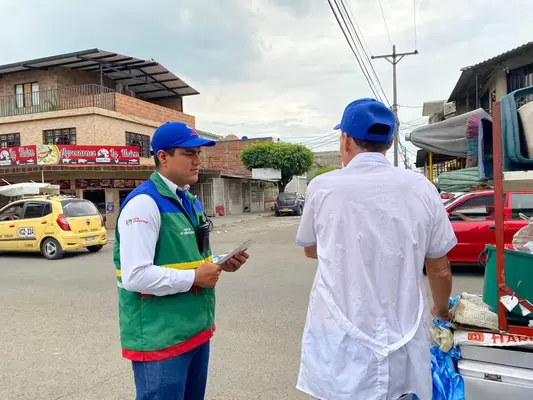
[[472, 217], [289, 203], [51, 225]]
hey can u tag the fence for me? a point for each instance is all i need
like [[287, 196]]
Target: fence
[[67, 98]]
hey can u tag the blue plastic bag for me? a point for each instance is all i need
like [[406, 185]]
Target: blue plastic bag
[[447, 383]]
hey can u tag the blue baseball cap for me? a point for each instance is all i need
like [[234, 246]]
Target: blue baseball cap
[[177, 134], [369, 120]]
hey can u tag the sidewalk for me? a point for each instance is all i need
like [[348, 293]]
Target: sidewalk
[[218, 222]]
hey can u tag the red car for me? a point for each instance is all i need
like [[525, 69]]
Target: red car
[[472, 216]]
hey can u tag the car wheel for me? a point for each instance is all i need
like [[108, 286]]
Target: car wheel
[[299, 211], [51, 249], [95, 249], [277, 214]]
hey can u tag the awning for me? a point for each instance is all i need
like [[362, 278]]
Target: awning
[[447, 137], [147, 78]]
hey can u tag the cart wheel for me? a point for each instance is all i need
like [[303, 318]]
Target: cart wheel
[[482, 259]]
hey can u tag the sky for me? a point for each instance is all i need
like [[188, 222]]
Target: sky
[[278, 68]]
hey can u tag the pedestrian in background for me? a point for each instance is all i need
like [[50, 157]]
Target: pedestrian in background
[[372, 227], [165, 273]]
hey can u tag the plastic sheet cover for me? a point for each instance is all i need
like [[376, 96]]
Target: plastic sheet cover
[[447, 137]]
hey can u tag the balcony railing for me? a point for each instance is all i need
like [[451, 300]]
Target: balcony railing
[[67, 98]]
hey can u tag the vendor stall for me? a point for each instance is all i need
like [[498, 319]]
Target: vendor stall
[[492, 352]]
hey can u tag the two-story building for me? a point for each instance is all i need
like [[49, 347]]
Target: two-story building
[[478, 87], [482, 84], [84, 120]]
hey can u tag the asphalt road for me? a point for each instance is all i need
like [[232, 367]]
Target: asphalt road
[[59, 332]]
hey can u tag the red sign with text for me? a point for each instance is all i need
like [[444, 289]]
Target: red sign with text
[[47, 154], [87, 155], [18, 156]]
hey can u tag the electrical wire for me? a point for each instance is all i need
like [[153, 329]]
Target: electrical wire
[[415, 23], [385, 21], [363, 46], [339, 15]]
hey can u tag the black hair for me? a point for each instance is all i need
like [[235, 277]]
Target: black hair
[[377, 147], [170, 151]]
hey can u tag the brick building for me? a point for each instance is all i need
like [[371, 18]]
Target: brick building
[[84, 120]]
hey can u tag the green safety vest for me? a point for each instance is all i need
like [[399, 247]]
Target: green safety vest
[[160, 327]]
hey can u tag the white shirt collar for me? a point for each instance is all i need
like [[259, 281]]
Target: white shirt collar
[[172, 186], [369, 157]]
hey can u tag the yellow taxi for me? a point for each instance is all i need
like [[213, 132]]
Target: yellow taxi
[[52, 225]]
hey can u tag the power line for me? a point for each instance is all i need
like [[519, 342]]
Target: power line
[[363, 45], [404, 106], [414, 22], [340, 12], [385, 21]]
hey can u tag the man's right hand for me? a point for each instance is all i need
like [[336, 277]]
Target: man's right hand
[[206, 275], [443, 314]]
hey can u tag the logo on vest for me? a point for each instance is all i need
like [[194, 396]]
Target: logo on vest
[[135, 220], [187, 231]]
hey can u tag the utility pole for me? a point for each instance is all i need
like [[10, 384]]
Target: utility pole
[[394, 59]]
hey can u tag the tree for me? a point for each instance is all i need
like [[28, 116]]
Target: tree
[[291, 159], [324, 170]]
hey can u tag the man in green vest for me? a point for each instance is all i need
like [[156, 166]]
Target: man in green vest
[[165, 273]]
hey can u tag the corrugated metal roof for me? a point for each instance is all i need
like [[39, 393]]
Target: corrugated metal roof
[[500, 57], [147, 78], [484, 69]]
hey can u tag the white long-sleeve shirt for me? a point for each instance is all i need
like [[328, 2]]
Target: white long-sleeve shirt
[[365, 335], [138, 239]]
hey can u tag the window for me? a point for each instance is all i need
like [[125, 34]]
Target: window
[[27, 94], [78, 208], [476, 202], [37, 210], [12, 213], [141, 141], [59, 136], [9, 140], [522, 203]]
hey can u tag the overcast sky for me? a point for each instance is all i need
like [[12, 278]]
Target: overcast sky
[[274, 67]]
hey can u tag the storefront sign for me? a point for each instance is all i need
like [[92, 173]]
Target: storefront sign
[[87, 155], [106, 183], [47, 154], [18, 156]]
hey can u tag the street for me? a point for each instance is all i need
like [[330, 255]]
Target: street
[[59, 325]]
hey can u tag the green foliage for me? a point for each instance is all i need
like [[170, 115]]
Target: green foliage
[[324, 170], [291, 159]]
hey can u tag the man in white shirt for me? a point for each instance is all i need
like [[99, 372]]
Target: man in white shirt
[[372, 227], [165, 273]]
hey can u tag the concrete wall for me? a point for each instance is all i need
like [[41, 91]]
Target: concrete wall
[[297, 185], [233, 201], [498, 83]]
